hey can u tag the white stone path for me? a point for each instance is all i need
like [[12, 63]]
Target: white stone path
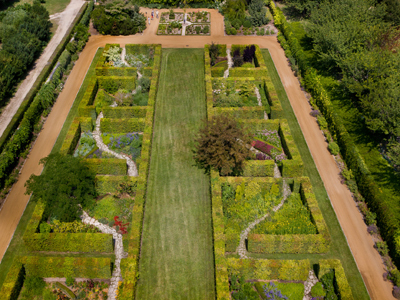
[[118, 250], [230, 63], [308, 284], [259, 102], [132, 169]]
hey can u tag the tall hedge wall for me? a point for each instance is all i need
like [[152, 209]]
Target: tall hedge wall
[[342, 285]]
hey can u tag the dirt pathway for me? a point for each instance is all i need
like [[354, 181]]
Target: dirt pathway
[[367, 258], [64, 20]]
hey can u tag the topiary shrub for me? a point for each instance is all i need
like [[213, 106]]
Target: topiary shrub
[[236, 24], [247, 24], [333, 148]]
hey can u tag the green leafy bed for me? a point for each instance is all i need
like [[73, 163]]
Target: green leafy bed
[[234, 93]]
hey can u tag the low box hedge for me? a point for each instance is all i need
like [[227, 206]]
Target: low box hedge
[[109, 184], [14, 281], [259, 168], [121, 82], [75, 267], [270, 269], [122, 125], [107, 166], [250, 112], [342, 285], [217, 71], [124, 112], [72, 137]]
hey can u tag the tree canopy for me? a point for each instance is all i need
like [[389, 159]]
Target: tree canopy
[[118, 17], [24, 30], [66, 182], [221, 145]]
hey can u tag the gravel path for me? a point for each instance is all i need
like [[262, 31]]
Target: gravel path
[[230, 63], [361, 244], [308, 284], [132, 169], [118, 250]]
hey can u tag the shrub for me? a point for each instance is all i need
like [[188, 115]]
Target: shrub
[[372, 229], [237, 61], [318, 290], [171, 14], [206, 29], [328, 283], [322, 122], [370, 218], [236, 24], [333, 148], [45, 228], [34, 285], [315, 113], [247, 24], [69, 281], [198, 29]]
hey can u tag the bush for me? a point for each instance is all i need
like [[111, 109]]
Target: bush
[[333, 148], [198, 29], [236, 24], [34, 285], [318, 290], [247, 24], [206, 29], [396, 292], [69, 281]]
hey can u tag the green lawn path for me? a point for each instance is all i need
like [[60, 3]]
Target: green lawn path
[[177, 254]]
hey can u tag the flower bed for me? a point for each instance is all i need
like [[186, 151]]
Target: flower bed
[[170, 29], [199, 17], [198, 29], [234, 93]]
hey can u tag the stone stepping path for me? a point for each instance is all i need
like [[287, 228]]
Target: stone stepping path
[[132, 169], [308, 284], [230, 63], [259, 101], [118, 250]]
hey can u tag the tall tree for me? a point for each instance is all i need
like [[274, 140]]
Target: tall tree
[[221, 145]]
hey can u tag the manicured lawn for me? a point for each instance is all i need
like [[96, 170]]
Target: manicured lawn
[[339, 247], [177, 255]]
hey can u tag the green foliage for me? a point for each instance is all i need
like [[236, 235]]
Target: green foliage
[[269, 269], [118, 18], [83, 267], [24, 30], [234, 93], [257, 13], [242, 290], [33, 286], [234, 9], [328, 283], [122, 125], [66, 182], [69, 281], [318, 290], [86, 145], [217, 145], [12, 284], [293, 291], [292, 218], [333, 268], [333, 148], [109, 166]]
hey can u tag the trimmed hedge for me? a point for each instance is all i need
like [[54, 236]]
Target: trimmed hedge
[[293, 167], [63, 242], [129, 266], [259, 168], [270, 269], [13, 282], [122, 125], [221, 264], [124, 112], [103, 70], [273, 100], [122, 82], [81, 267], [250, 112], [107, 166], [109, 184], [341, 283], [217, 71], [86, 107], [72, 138], [296, 243]]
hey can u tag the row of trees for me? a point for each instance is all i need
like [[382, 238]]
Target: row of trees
[[24, 31], [357, 40], [119, 17]]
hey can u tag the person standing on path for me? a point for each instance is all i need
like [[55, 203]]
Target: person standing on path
[[152, 14], [148, 19], [157, 13]]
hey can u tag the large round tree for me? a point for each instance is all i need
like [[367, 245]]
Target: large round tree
[[66, 183], [222, 145]]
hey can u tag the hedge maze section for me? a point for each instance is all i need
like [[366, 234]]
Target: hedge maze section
[[257, 181], [91, 255]]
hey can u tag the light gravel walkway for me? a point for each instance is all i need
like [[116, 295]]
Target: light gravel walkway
[[230, 63], [132, 169], [118, 250], [308, 284], [259, 102]]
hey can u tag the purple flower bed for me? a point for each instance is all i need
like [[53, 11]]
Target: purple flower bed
[[271, 151], [271, 137]]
